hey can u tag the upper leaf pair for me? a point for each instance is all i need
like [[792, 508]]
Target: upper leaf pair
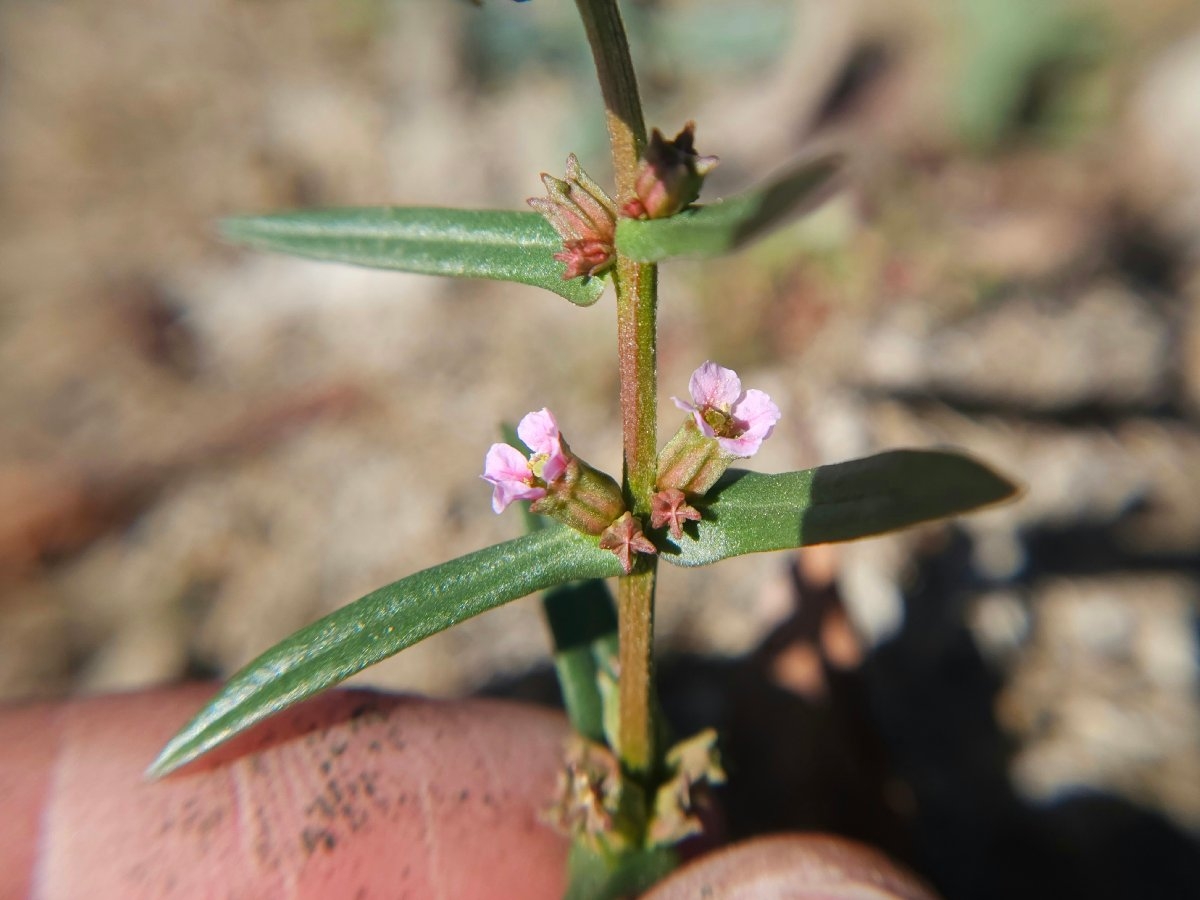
[[521, 246]]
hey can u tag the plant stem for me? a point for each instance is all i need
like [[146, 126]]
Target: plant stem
[[618, 85], [637, 309]]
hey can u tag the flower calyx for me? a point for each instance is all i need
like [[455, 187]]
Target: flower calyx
[[560, 484], [624, 537], [584, 217], [726, 423], [669, 176], [682, 801], [588, 795], [669, 508]]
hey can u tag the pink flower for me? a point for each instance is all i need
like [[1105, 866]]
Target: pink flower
[[516, 478], [739, 420]]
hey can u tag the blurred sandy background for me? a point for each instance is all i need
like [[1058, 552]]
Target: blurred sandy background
[[203, 449]]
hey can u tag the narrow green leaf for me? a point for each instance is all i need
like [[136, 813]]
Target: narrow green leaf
[[382, 623], [466, 243], [726, 225], [583, 621], [749, 513]]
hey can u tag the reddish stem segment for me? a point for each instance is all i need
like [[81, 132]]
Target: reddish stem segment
[[637, 301]]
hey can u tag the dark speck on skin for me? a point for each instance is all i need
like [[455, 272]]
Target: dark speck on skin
[[312, 838], [326, 766], [322, 806], [463, 795], [338, 749], [393, 737]]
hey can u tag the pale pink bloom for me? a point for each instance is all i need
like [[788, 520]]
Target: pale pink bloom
[[508, 470], [515, 477], [739, 420], [539, 432]]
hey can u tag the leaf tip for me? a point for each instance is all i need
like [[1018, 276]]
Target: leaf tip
[[168, 760]]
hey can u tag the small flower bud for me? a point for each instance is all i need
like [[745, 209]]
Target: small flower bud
[[584, 217], [669, 507], [669, 176], [624, 538]]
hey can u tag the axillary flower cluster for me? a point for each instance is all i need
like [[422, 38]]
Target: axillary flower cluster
[[725, 423]]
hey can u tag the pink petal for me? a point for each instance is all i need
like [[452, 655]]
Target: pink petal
[[756, 416], [539, 431], [697, 414], [507, 469], [683, 404], [715, 386], [506, 492]]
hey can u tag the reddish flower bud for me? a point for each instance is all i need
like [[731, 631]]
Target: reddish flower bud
[[584, 217], [669, 176]]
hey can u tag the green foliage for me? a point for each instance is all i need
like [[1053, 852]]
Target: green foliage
[[743, 513], [382, 623], [595, 876], [464, 243], [1021, 60], [729, 224], [749, 513], [583, 623]]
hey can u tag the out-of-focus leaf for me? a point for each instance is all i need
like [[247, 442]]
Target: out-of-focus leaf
[[626, 874], [729, 224], [748, 513], [1023, 62], [464, 243], [583, 621], [382, 623]]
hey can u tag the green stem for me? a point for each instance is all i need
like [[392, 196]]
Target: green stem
[[637, 304], [618, 85]]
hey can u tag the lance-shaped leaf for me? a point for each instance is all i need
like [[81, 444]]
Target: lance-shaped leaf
[[466, 243], [729, 224], [748, 513], [595, 875], [382, 623]]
